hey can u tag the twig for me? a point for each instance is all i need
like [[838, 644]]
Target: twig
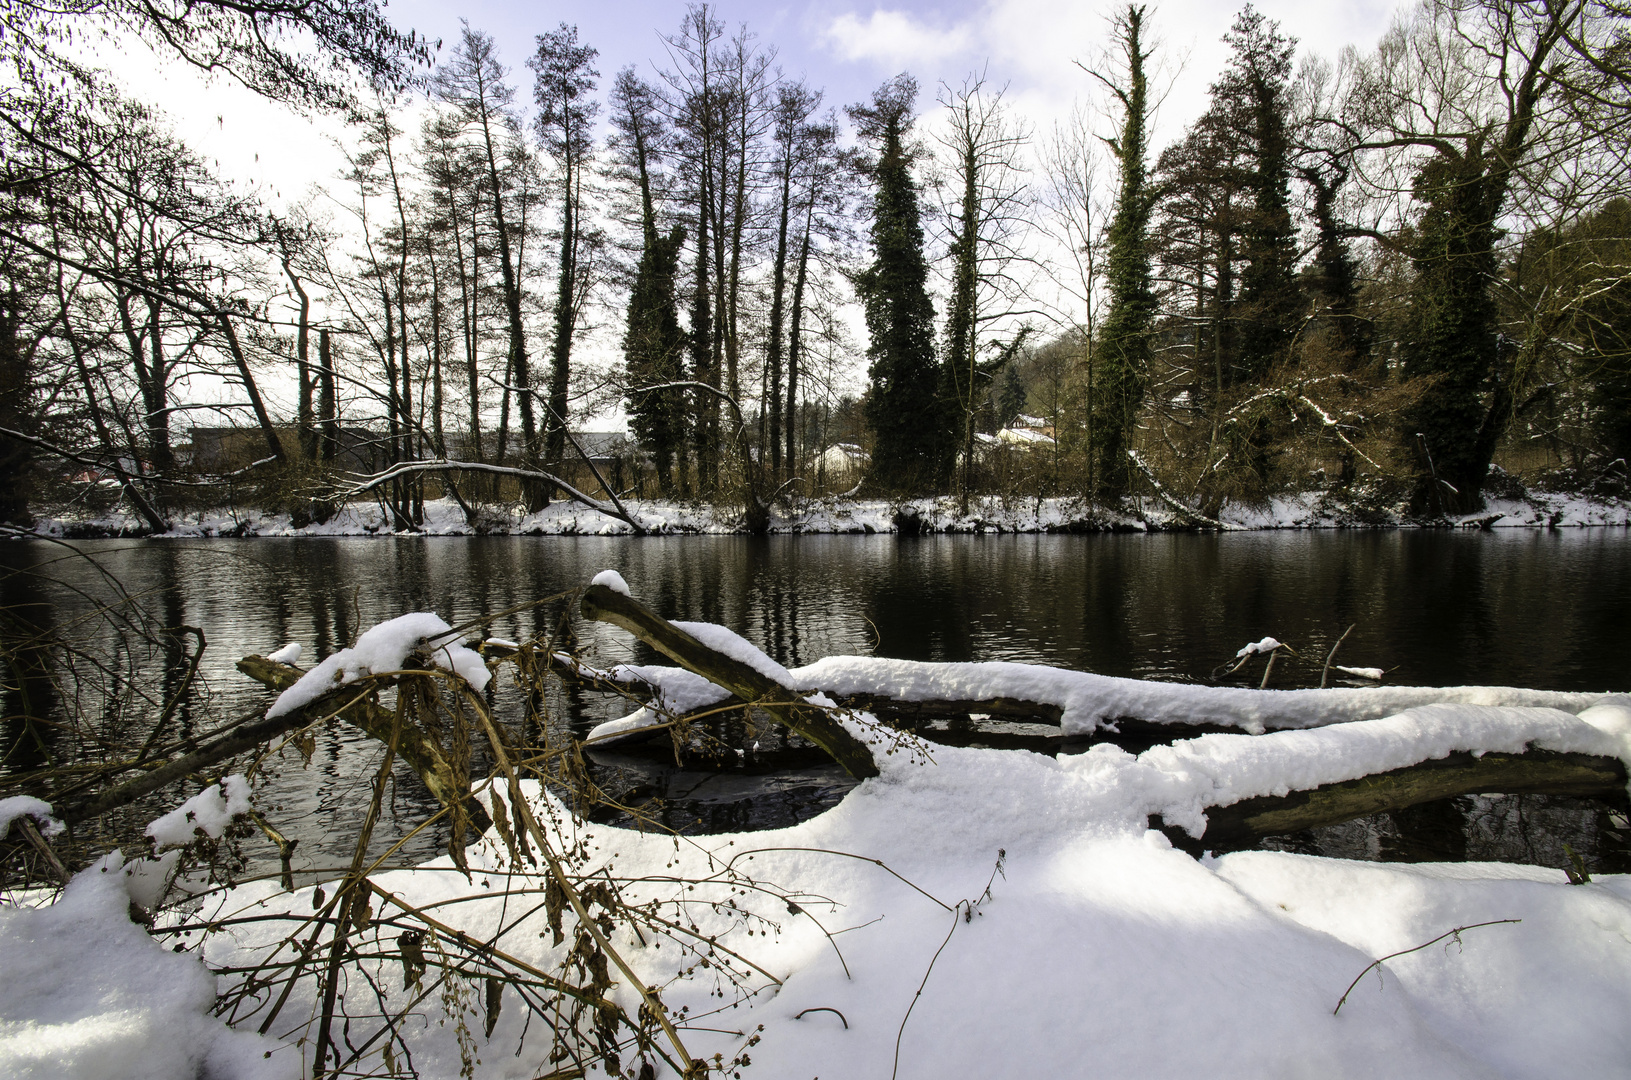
[[658, 1011], [1332, 655], [587, 460], [823, 1008], [181, 692], [1456, 933], [964, 911]]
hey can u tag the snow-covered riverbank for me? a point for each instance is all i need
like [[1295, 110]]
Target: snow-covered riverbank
[[968, 913], [443, 517], [1099, 950]]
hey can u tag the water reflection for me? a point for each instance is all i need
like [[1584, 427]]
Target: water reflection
[[1533, 608]]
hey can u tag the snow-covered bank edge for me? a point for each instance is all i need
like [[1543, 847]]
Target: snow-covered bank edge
[[443, 517], [1074, 928], [1095, 935]]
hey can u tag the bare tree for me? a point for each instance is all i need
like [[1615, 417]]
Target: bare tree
[[987, 209]]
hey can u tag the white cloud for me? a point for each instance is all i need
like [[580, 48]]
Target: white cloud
[[895, 39]]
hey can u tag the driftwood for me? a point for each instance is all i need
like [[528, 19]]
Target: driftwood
[[1537, 772], [413, 744], [601, 604]]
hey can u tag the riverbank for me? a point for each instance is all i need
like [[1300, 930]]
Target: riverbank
[[991, 514], [968, 912]]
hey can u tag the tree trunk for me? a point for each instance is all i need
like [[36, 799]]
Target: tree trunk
[[262, 417]]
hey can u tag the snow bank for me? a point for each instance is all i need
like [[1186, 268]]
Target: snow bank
[[1100, 951], [384, 648], [87, 994], [444, 517]]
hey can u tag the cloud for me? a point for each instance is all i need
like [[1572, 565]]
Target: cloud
[[895, 39]]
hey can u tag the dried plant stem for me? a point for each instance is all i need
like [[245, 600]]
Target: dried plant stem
[[1332, 655], [1377, 963], [656, 1008], [351, 908]]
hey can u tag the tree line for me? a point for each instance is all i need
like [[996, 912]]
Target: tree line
[[1373, 274]]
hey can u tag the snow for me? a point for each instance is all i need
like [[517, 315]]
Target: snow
[[848, 514], [613, 581], [1375, 673], [1266, 645], [27, 806], [725, 640], [1086, 701], [88, 995], [1099, 949], [209, 812], [1187, 777], [1099, 944], [384, 648], [969, 912], [289, 654]]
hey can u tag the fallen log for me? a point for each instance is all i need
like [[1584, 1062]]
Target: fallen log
[[1035, 712], [414, 745], [603, 604], [1535, 772]]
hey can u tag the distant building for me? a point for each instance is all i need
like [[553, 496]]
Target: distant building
[[224, 449]]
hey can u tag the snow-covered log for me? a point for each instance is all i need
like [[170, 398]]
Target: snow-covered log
[[1535, 772], [737, 674]]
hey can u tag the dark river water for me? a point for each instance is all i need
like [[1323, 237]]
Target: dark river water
[[1511, 607]]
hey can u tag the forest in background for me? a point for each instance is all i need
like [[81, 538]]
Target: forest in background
[[1377, 274]]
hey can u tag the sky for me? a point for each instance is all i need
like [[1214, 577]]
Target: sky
[[1030, 46]]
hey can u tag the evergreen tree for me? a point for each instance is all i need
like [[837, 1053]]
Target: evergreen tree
[[1475, 98], [1254, 95], [911, 447], [1124, 350], [1011, 399], [1334, 280]]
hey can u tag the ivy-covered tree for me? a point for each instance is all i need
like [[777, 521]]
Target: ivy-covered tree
[[654, 352], [565, 79], [1470, 92], [1124, 347], [911, 444]]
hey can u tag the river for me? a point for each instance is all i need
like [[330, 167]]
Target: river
[[1544, 609]]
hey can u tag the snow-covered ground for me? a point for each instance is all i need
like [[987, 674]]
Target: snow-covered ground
[[967, 913], [443, 517]]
